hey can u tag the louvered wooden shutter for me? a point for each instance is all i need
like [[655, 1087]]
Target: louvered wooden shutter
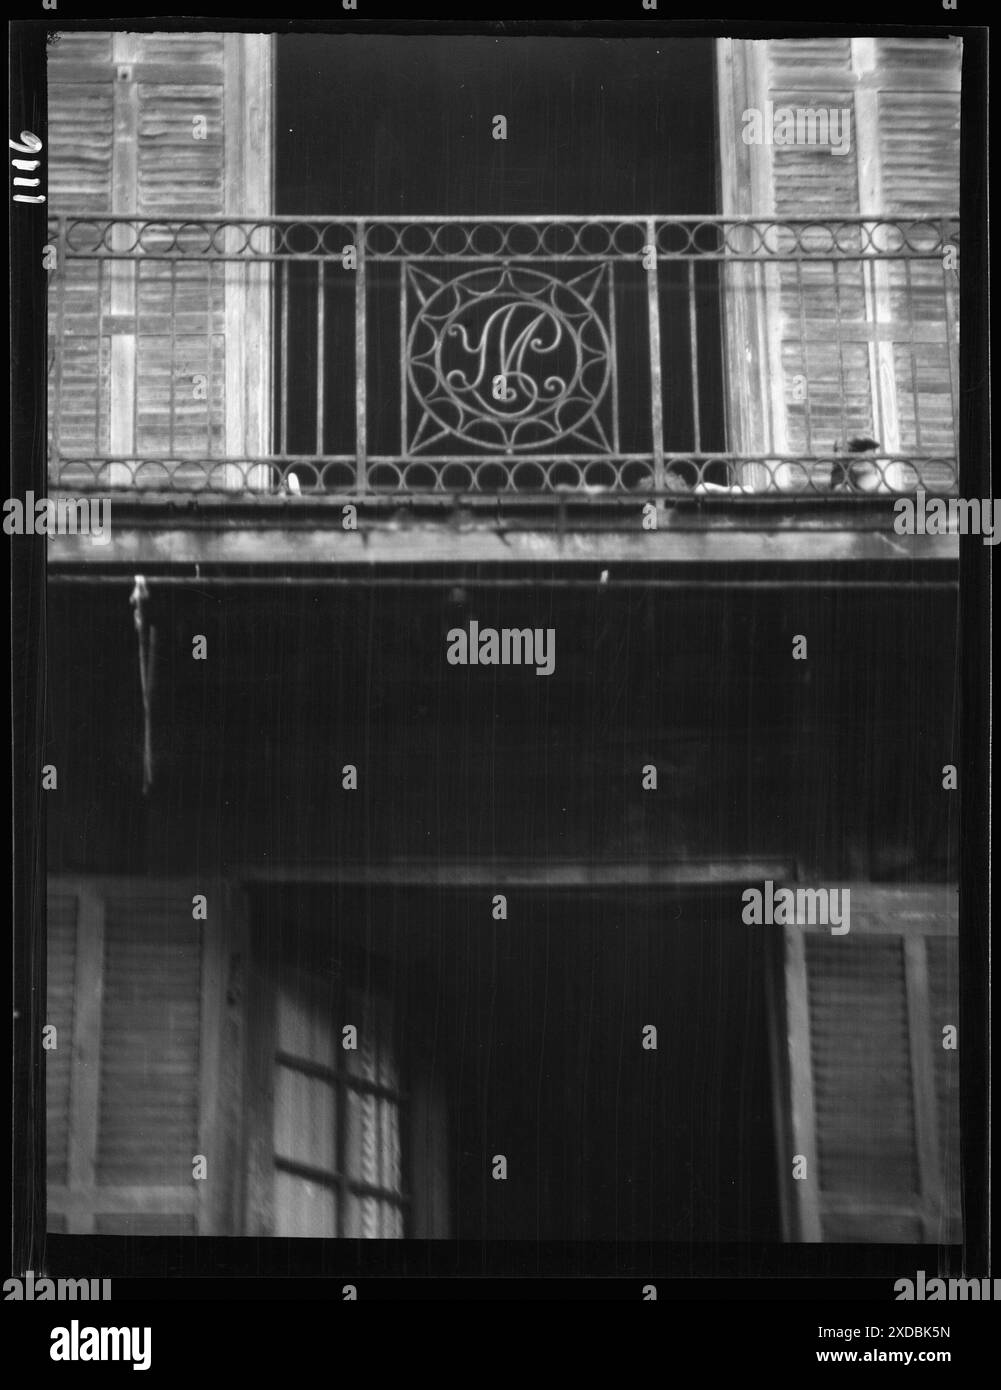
[[80, 133], [854, 347], [60, 1014], [133, 1090], [147, 1131], [820, 305], [873, 1092], [875, 343], [916, 158], [154, 363], [180, 348]]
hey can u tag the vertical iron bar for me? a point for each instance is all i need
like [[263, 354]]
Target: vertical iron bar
[[98, 441], [950, 338], [208, 359], [693, 349], [616, 441], [836, 266], [284, 276], [801, 298], [875, 356], [761, 300], [403, 358], [909, 297], [321, 353], [136, 373], [361, 436], [62, 270], [653, 323], [173, 355]]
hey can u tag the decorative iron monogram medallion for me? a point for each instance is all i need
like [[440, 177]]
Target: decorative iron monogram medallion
[[508, 358]]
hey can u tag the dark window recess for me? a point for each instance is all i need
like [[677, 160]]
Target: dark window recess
[[403, 127], [528, 1032], [337, 1139]]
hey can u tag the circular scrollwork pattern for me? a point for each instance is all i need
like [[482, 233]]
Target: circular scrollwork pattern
[[509, 358]]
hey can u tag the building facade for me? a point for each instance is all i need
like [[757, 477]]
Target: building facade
[[335, 923]]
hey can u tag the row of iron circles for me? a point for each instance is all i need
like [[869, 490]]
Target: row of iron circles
[[229, 238], [305, 477], [198, 475], [78, 474], [180, 475], [528, 475], [711, 238], [204, 475], [125, 237], [201, 475], [515, 240], [488, 240], [561, 475], [416, 476], [777, 238]]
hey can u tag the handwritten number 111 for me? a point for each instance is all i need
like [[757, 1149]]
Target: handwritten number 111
[[28, 144]]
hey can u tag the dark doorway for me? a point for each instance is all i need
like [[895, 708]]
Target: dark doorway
[[607, 1139], [379, 125], [403, 127], [534, 1027]]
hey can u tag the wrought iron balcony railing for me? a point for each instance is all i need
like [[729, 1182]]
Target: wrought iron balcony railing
[[583, 359]]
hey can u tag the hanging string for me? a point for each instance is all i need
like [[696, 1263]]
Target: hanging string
[[146, 639]]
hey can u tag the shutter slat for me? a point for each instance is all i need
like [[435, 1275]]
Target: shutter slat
[[195, 50], [71, 51], [789, 57]]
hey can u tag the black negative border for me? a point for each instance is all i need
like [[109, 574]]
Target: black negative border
[[825, 1268]]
